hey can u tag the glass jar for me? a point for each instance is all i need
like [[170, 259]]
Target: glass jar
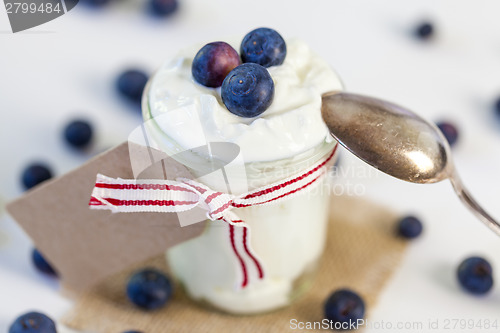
[[288, 236]]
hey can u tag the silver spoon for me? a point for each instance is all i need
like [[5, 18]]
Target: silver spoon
[[397, 142]]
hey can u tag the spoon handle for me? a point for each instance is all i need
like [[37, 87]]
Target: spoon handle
[[472, 204]]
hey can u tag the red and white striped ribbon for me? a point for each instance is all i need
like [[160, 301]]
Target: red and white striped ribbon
[[168, 196]]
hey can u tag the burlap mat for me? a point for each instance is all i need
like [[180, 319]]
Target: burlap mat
[[362, 252]]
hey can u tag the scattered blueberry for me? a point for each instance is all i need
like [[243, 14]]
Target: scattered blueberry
[[344, 306], [449, 131], [41, 264], [248, 90], [131, 84], [78, 133], [336, 165], [424, 30], [263, 46], [34, 174], [162, 8], [409, 227], [497, 107], [213, 62], [132, 332], [475, 275], [33, 322], [149, 289], [95, 3]]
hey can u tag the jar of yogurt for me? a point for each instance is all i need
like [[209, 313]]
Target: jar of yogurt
[[287, 236]]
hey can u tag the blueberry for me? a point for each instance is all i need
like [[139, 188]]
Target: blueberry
[[337, 163], [132, 332], [35, 174], [409, 227], [248, 90], [449, 131], [41, 264], [424, 30], [497, 107], [475, 275], [78, 133], [344, 307], [131, 84], [95, 3], [33, 322], [213, 62], [263, 46], [149, 289], [162, 8]]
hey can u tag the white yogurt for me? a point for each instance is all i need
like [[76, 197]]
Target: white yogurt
[[289, 236], [292, 123]]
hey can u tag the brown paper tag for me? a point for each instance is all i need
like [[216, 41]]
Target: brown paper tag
[[85, 246]]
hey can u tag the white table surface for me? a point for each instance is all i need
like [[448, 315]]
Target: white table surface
[[66, 68]]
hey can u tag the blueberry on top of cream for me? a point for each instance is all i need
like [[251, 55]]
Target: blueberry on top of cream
[[213, 62], [263, 46], [248, 90]]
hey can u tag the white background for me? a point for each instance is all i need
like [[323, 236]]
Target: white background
[[66, 68]]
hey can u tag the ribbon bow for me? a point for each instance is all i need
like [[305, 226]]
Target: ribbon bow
[[168, 196]]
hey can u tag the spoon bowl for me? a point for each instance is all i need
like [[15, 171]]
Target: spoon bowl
[[395, 141]]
